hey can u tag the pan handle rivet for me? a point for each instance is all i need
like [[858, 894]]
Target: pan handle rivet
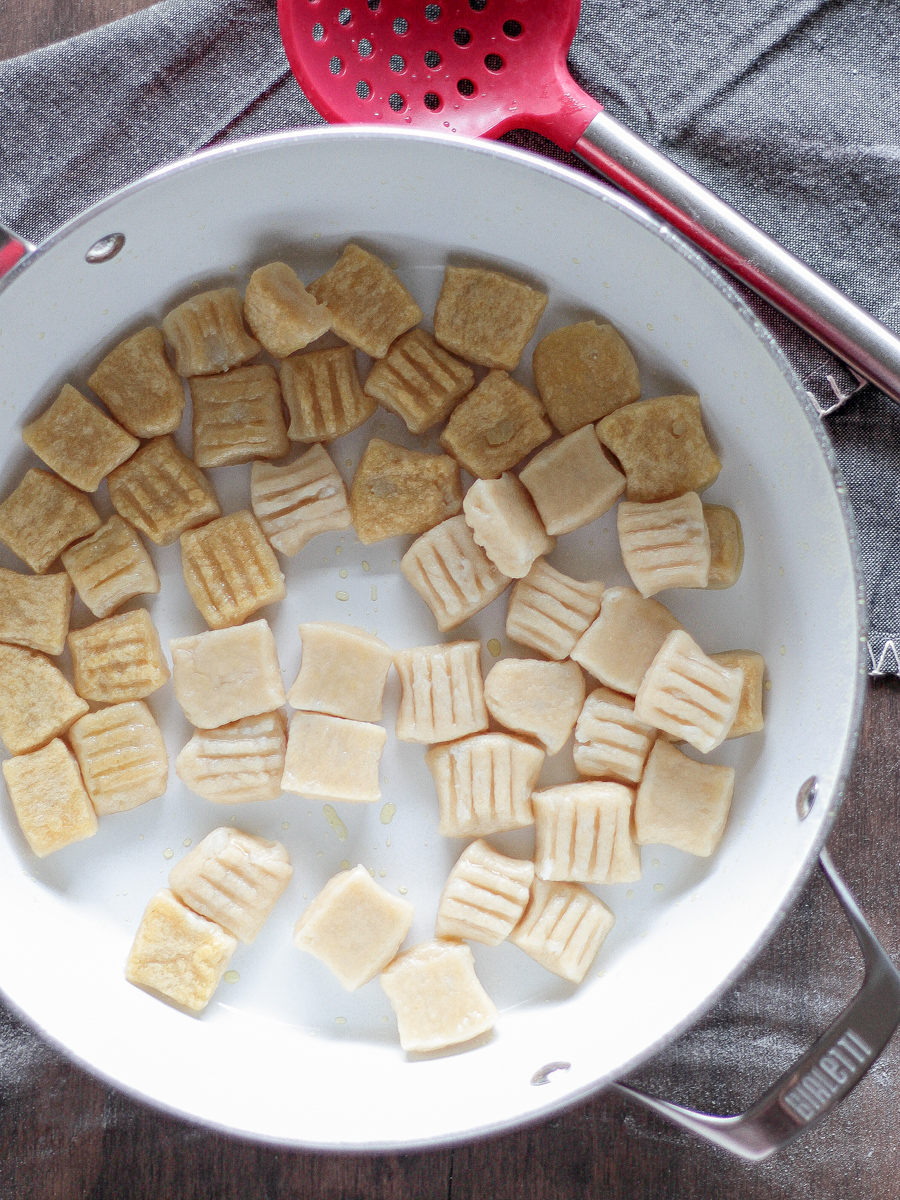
[[106, 248], [539, 1078], [806, 797]]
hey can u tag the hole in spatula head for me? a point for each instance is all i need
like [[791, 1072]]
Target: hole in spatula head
[[466, 87], [478, 5], [336, 65], [432, 101], [345, 16], [374, 5], [318, 31], [462, 37], [397, 63], [432, 12], [401, 26], [396, 101], [365, 47], [432, 59], [512, 29], [493, 62], [363, 90]]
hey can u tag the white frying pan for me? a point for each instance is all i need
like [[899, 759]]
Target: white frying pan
[[284, 1054]]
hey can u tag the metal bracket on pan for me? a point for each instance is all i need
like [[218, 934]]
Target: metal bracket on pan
[[825, 1074]]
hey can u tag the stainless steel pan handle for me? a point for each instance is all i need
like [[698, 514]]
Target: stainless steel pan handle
[[869, 348], [825, 1074]]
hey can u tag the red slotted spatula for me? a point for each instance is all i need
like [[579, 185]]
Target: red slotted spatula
[[483, 67]]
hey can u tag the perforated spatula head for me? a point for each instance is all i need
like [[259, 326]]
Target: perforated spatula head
[[476, 67]]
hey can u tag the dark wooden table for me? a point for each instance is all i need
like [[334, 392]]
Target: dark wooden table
[[64, 1135]]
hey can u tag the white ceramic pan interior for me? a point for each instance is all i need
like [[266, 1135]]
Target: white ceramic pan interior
[[284, 1053]]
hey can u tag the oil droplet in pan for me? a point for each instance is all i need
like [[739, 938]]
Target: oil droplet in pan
[[387, 813], [494, 648], [345, 864], [374, 592], [335, 822], [231, 976], [341, 596], [168, 852]]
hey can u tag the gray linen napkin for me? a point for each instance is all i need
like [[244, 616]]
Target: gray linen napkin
[[783, 107]]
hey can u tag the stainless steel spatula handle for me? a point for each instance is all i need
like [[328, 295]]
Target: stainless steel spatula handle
[[868, 348]]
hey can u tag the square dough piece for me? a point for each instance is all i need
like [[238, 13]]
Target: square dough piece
[[331, 758], [369, 305], [238, 763], [323, 394], [453, 575], [749, 717], [234, 879], [442, 695], [505, 523], [49, 798], [178, 953], [110, 567], [572, 482], [664, 545], [662, 447], [682, 803], [43, 516], [726, 546], [540, 699], [77, 441], [486, 317], [484, 896], [207, 333], [237, 417], [299, 500], [610, 742], [396, 491], [162, 493], [230, 569], [484, 783], [688, 695], [584, 372], [582, 833], [419, 381], [280, 311], [354, 927], [343, 671], [122, 756], [118, 659], [495, 427], [622, 642], [226, 674], [549, 611], [35, 610], [138, 386], [435, 993], [37, 702], [563, 928]]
